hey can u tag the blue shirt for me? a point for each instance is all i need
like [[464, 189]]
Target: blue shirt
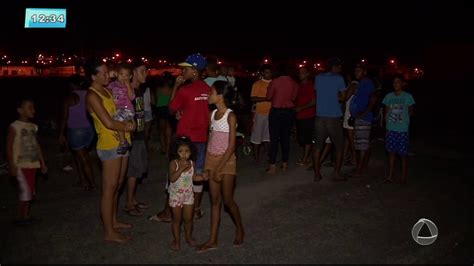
[[327, 86], [398, 117], [360, 102]]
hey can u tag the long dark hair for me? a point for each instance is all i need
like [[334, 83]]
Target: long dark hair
[[225, 89], [182, 141]]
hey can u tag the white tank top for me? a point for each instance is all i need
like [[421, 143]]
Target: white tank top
[[219, 134]]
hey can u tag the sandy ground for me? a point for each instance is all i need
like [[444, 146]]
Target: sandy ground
[[288, 218]]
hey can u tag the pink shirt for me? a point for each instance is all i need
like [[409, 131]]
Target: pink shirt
[[219, 134], [121, 98], [282, 92]]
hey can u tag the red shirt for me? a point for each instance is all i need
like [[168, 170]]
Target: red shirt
[[282, 92], [191, 101], [306, 94]]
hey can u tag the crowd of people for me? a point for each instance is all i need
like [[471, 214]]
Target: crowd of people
[[197, 130]]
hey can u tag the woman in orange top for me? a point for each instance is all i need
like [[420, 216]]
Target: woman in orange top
[[101, 106]]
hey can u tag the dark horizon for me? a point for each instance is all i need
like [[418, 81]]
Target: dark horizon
[[415, 33]]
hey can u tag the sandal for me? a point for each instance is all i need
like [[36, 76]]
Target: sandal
[[156, 218], [133, 212], [198, 213]]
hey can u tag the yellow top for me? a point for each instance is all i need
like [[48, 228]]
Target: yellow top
[[259, 89], [106, 139]]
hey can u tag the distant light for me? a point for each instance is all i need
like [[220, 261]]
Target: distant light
[[129, 60], [164, 61], [301, 65], [161, 61], [117, 55], [392, 61], [143, 58], [104, 60], [266, 61], [219, 62], [69, 58], [113, 57], [318, 64], [363, 60], [416, 69], [8, 62]]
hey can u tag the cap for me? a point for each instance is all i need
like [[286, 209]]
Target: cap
[[195, 60]]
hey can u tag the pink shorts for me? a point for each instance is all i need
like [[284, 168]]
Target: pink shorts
[[179, 199], [26, 182]]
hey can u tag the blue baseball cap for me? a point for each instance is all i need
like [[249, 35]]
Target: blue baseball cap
[[195, 60]]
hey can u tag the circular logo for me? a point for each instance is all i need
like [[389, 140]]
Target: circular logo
[[424, 240]]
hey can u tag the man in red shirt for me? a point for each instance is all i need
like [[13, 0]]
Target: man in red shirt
[[305, 114], [190, 104]]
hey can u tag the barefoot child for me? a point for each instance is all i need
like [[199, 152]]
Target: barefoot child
[[123, 95], [398, 109], [181, 199], [24, 157], [220, 166]]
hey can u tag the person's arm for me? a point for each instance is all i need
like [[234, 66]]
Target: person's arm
[[176, 173], [305, 106], [11, 163], [179, 81], [254, 98], [372, 103], [270, 92], [63, 120], [95, 104], [232, 120]]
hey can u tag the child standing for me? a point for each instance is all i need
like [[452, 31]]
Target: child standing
[[24, 157], [398, 109], [220, 166], [123, 95], [181, 199]]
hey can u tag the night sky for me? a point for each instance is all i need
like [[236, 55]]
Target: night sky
[[409, 30]]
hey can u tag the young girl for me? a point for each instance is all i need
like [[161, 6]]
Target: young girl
[[220, 165], [398, 109], [123, 95], [349, 128], [181, 199]]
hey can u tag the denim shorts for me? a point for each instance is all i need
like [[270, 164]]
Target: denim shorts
[[105, 155], [80, 138], [200, 156]]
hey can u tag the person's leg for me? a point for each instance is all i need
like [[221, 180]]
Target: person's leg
[[188, 212], [285, 129], [391, 167], [337, 138], [131, 190], [321, 133], [403, 177], [228, 182], [216, 202], [147, 134], [80, 173], [198, 186], [326, 150], [256, 152], [350, 137], [162, 130], [167, 137], [274, 126], [110, 182], [86, 167], [176, 227], [123, 170]]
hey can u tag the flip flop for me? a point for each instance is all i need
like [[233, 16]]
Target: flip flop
[[142, 206], [133, 212], [155, 218], [205, 248]]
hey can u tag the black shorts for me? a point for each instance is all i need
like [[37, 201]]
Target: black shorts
[[163, 112], [304, 131]]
